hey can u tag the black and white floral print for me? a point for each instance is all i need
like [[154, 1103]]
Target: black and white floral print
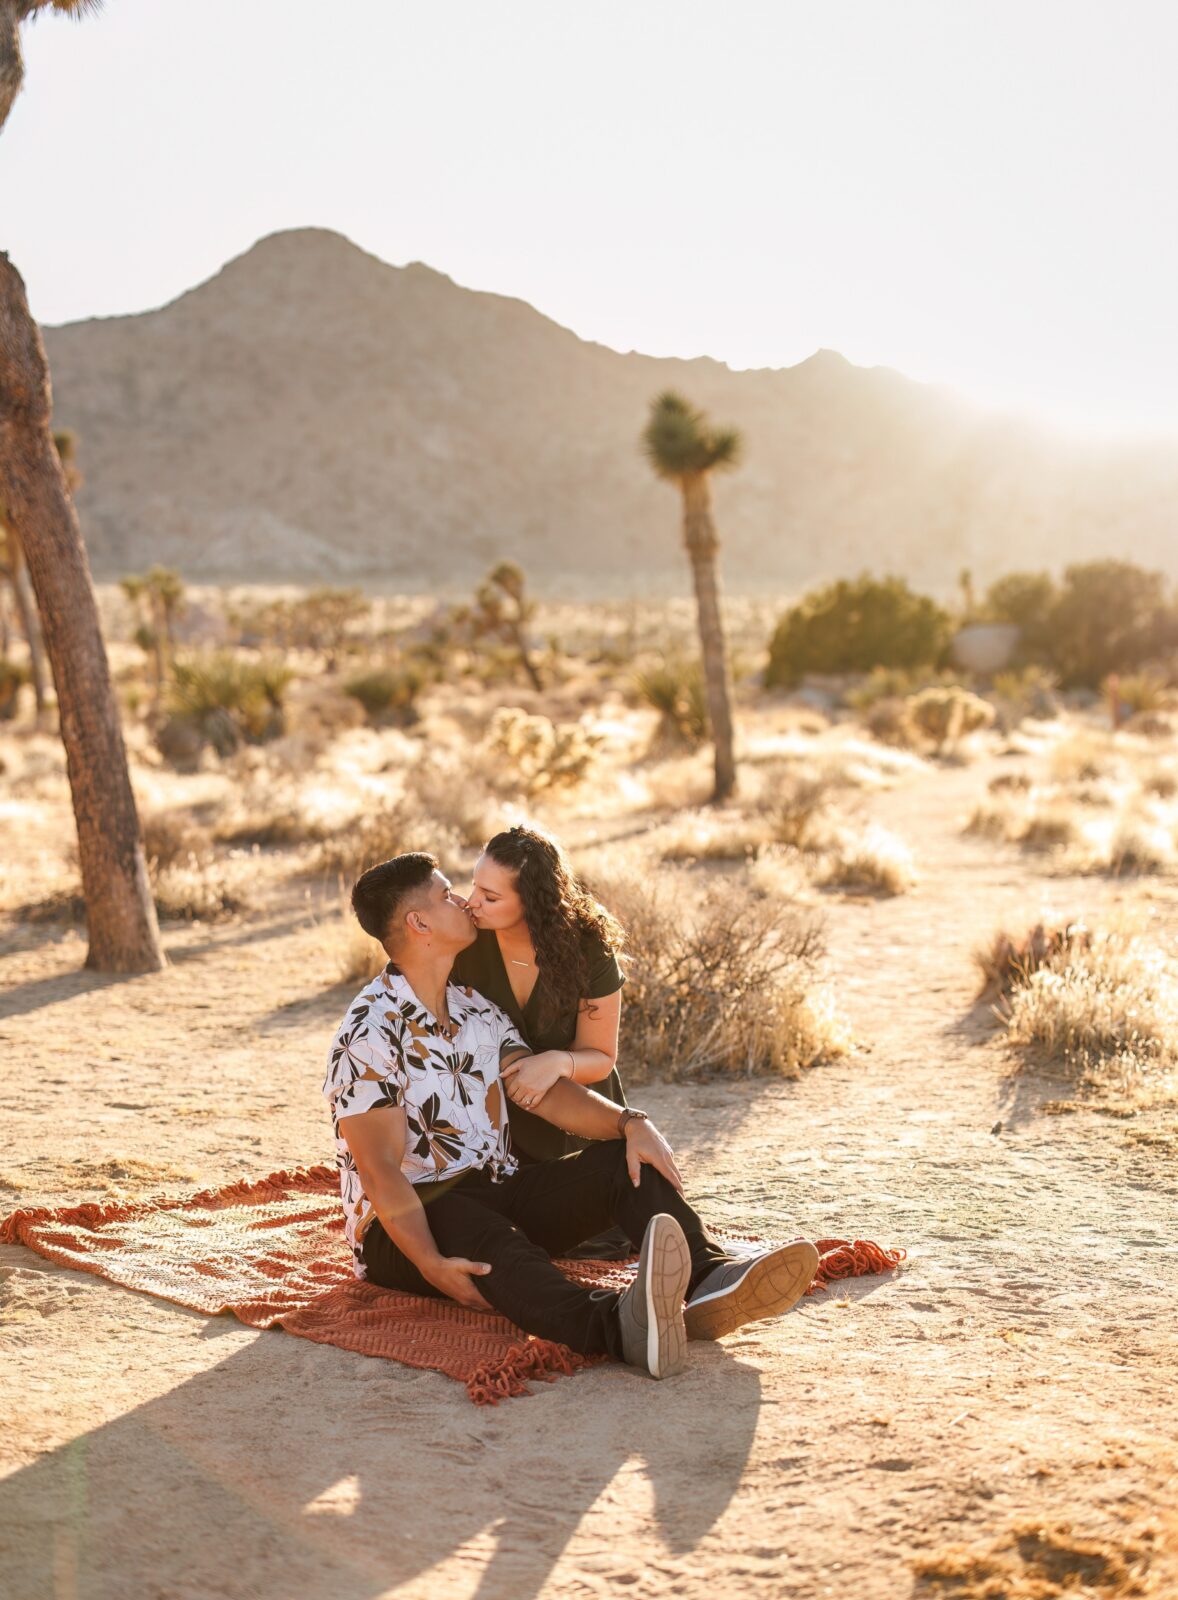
[[390, 1050]]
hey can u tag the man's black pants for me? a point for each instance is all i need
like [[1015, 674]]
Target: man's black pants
[[543, 1209]]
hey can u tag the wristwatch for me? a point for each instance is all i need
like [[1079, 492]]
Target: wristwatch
[[630, 1114]]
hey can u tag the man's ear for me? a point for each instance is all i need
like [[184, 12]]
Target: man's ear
[[417, 922]]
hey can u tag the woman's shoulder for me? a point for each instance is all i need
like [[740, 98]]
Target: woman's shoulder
[[601, 963]]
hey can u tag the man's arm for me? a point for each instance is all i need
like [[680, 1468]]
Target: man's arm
[[589, 1115], [377, 1142]]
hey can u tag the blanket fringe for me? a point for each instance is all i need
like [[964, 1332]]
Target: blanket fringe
[[852, 1258], [14, 1228], [540, 1360]]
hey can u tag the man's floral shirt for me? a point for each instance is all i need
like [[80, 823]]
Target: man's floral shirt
[[391, 1050]]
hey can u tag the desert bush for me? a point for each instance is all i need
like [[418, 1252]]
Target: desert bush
[[223, 700], [1083, 757], [855, 626], [1050, 824], [271, 817], [799, 814], [722, 984], [324, 620], [871, 860], [945, 715], [350, 952], [1110, 616], [200, 891], [388, 694], [1110, 1003], [1029, 691], [540, 756], [1025, 599], [12, 678], [1138, 844], [171, 838], [675, 689], [1140, 691], [1008, 961], [889, 722], [389, 829], [1010, 783], [709, 835]]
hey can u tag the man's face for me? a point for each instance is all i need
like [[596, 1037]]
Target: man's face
[[445, 915]]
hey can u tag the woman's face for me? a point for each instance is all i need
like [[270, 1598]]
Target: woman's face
[[494, 901]]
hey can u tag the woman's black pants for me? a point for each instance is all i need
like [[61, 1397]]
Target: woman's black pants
[[543, 1209]]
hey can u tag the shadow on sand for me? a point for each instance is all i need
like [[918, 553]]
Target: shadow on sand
[[246, 1481]]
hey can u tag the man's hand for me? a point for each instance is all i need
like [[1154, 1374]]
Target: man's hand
[[528, 1079], [644, 1142], [451, 1276]]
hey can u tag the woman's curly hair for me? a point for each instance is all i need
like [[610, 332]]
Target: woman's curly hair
[[558, 911]]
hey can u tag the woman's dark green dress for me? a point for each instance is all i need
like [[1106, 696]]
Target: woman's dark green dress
[[480, 966]]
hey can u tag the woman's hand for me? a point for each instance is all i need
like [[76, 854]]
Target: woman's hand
[[529, 1079]]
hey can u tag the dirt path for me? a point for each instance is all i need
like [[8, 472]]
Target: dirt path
[[1020, 1367]]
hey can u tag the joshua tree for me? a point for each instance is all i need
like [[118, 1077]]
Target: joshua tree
[[683, 447], [163, 591], [124, 933], [503, 606]]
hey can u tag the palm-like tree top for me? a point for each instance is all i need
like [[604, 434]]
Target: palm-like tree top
[[680, 442], [76, 8]]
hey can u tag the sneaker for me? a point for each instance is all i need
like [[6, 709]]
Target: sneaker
[[746, 1289], [650, 1311]]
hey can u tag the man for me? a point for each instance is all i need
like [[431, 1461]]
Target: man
[[434, 1199]]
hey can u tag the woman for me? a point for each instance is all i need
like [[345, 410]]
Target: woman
[[547, 954]]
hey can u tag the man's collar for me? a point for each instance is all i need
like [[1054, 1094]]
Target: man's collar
[[458, 1000]]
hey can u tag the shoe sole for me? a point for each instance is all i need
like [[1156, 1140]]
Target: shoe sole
[[664, 1268], [778, 1281]]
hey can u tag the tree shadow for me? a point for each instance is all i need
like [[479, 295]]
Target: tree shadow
[[290, 1469]]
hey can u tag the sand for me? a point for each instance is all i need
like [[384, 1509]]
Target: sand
[[1019, 1368]]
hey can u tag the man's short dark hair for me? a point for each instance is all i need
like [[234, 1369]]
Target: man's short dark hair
[[379, 893]]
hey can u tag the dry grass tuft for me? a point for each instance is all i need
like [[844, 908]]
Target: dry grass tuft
[[1008, 961], [1105, 1003], [871, 860], [718, 982]]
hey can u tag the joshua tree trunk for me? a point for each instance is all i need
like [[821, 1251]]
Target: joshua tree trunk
[[12, 67], [525, 655], [124, 933], [699, 535], [26, 607]]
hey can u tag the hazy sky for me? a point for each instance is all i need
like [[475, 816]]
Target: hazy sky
[[974, 191]]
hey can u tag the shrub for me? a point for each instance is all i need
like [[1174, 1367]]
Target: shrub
[[1025, 599], [543, 756], [388, 694], [943, 716], [1110, 616], [1008, 961], [1141, 691], [872, 860], [889, 722], [1028, 692], [171, 839], [223, 700], [801, 807], [1110, 1003], [391, 829], [716, 985], [675, 689], [854, 626]]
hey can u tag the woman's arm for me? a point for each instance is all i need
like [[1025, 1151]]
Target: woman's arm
[[588, 1060]]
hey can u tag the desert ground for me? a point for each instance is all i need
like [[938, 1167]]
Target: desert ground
[[997, 1418]]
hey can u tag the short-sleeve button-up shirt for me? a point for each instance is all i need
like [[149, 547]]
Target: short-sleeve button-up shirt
[[390, 1050]]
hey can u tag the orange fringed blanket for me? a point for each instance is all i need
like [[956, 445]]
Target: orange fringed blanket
[[272, 1252]]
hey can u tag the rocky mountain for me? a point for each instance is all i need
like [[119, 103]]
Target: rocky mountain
[[313, 414]]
